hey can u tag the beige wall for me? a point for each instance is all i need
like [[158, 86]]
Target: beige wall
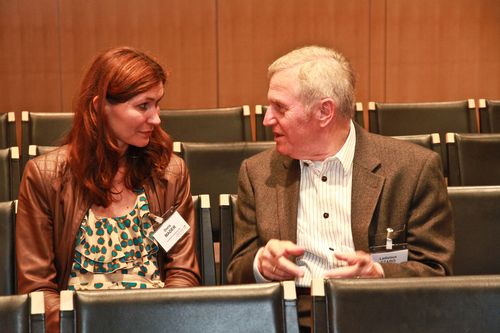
[[218, 50]]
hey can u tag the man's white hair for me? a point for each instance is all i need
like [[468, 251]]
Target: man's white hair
[[322, 73]]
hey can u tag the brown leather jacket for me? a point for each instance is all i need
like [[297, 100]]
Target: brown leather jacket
[[51, 209]]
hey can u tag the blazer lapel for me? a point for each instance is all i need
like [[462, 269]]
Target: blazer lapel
[[366, 189], [287, 196]]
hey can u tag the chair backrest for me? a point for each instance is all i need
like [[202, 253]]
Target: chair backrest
[[421, 118], [35, 150], [208, 125], [489, 116], [214, 168], [227, 212], [8, 130], [10, 176], [476, 214], [237, 308], [430, 141], [22, 313], [8, 281], [425, 304], [473, 159], [204, 240], [43, 129], [263, 133]]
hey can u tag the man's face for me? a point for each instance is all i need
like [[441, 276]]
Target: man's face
[[292, 124]]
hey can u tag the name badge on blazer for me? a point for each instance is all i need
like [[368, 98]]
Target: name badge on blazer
[[391, 252], [171, 229], [393, 257]]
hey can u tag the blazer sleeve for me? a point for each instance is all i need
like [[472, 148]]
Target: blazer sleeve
[[430, 235], [36, 269], [181, 264], [246, 237]]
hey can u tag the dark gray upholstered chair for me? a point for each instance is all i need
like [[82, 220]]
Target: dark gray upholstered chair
[[204, 240], [431, 141], [422, 118], [227, 212], [43, 129], [10, 176], [425, 304], [22, 313], [208, 125], [204, 243], [473, 159], [489, 116], [238, 308], [476, 215], [8, 130], [8, 282], [214, 168], [35, 150], [263, 133]]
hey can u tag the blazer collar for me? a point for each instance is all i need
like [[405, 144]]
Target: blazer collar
[[287, 194], [366, 188]]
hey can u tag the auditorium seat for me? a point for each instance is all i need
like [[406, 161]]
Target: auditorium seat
[[214, 168], [8, 282], [204, 240], [473, 159], [268, 307], [204, 243], [43, 129], [421, 118], [9, 173], [227, 212], [424, 304], [208, 125], [489, 115], [476, 216], [8, 130], [429, 141], [22, 313]]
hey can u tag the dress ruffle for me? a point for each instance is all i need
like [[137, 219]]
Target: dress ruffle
[[121, 248]]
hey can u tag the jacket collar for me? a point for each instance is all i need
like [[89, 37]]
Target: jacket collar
[[366, 189]]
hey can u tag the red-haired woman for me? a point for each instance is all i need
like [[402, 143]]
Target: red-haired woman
[[83, 219]]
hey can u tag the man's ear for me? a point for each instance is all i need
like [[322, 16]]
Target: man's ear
[[326, 112]]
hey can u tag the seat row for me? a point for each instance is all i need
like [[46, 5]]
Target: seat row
[[204, 244], [235, 124], [476, 216], [426, 304], [470, 159]]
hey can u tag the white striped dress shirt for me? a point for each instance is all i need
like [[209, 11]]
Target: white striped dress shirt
[[324, 211]]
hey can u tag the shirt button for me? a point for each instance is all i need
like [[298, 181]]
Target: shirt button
[[324, 178], [326, 215]]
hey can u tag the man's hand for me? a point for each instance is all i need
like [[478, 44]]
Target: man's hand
[[359, 265], [276, 260]]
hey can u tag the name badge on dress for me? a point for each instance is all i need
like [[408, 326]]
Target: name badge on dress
[[170, 231]]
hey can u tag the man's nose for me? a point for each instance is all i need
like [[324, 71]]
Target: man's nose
[[269, 119]]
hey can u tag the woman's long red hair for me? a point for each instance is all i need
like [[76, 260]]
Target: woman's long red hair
[[116, 75]]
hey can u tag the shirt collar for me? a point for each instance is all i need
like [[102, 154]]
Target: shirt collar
[[345, 155]]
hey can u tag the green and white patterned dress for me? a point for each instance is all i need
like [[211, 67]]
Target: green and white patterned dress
[[117, 252]]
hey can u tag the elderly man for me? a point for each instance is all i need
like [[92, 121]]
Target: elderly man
[[332, 200]]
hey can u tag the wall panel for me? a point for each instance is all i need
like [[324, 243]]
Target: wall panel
[[442, 50], [180, 34], [29, 57], [252, 34]]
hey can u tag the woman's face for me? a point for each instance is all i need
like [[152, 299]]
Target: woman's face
[[133, 121]]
